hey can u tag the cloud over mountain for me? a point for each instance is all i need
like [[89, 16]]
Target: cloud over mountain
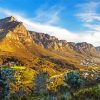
[[59, 32]]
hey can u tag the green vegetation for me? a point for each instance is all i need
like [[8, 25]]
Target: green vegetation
[[74, 80], [92, 93], [40, 83], [6, 77], [21, 83]]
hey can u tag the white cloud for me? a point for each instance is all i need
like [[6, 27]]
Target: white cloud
[[88, 16], [88, 11], [48, 16], [93, 27], [90, 37]]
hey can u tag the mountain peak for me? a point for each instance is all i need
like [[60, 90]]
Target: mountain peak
[[12, 18], [9, 19]]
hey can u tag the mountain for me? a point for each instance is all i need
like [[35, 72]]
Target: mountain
[[16, 42], [51, 43], [39, 50], [15, 39], [54, 44], [59, 47], [84, 48], [63, 47]]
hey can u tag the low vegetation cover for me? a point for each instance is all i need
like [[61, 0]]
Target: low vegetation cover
[[21, 83]]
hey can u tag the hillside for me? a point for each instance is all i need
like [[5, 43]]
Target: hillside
[[78, 51], [17, 43], [33, 49]]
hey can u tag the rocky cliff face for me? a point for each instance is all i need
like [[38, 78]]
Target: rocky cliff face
[[53, 43], [50, 42], [83, 48], [13, 29], [14, 38]]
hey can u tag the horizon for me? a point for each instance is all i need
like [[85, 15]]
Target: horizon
[[65, 20]]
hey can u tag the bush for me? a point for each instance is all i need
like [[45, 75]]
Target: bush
[[6, 76], [74, 80], [92, 93]]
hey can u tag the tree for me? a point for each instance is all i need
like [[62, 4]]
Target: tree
[[74, 79], [6, 76], [64, 92], [41, 83]]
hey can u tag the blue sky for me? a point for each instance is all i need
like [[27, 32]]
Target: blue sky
[[72, 20]]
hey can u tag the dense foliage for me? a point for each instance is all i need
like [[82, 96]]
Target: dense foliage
[[6, 77], [92, 93], [73, 87], [41, 83], [74, 80]]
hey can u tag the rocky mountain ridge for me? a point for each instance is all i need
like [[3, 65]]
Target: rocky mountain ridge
[[53, 43], [32, 48]]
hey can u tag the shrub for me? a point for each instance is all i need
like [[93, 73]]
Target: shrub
[[92, 93], [6, 76], [74, 80]]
